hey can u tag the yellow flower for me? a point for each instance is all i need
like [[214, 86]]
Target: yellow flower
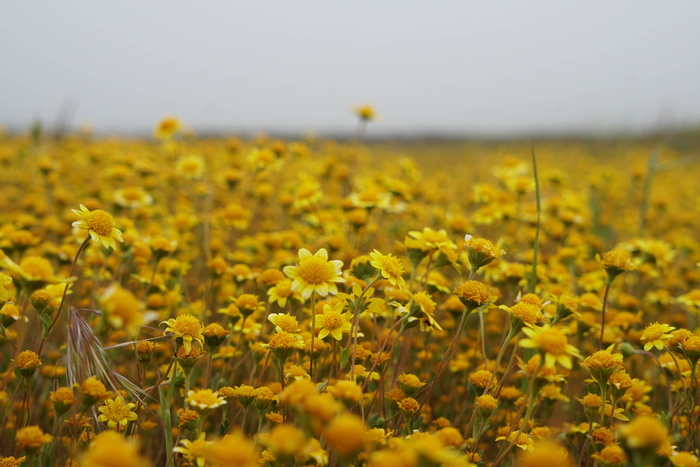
[[655, 334], [34, 272], [616, 262], [602, 364], [11, 461], [524, 313], [408, 404], [332, 321], [132, 197], [122, 309], [284, 322], [232, 450], [315, 274], [523, 441], [191, 166], [644, 431], [281, 292], [4, 293], [390, 267], [194, 451], [285, 440], [472, 294], [26, 363], [545, 453], [481, 251], [365, 112], [167, 127], [426, 306], [117, 413], [611, 455], [409, 383], [27, 359], [204, 399], [110, 449], [93, 389], [31, 438], [552, 343], [248, 304], [186, 327], [345, 435], [100, 226], [487, 403]]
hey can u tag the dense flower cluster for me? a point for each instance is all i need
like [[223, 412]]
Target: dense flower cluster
[[228, 302]]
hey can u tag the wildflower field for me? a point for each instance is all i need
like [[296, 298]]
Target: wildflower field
[[189, 301]]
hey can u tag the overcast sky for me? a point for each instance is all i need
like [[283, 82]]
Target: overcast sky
[[448, 66]]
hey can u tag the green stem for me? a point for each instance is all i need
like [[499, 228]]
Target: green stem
[[532, 280], [313, 335]]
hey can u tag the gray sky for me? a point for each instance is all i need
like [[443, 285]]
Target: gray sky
[[462, 66]]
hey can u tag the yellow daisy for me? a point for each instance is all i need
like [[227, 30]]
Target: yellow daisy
[[552, 343], [390, 267], [117, 413], [655, 334], [332, 321], [100, 226], [194, 451], [315, 274], [186, 327], [204, 399]]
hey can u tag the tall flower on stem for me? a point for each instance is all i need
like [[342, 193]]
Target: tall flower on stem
[[615, 263], [333, 322], [365, 114], [315, 274], [100, 226]]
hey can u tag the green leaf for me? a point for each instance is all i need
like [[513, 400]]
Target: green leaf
[[417, 422], [323, 385], [344, 356], [224, 427]]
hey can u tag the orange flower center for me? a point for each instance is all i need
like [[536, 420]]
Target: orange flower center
[[287, 323], [116, 411], [332, 321], [392, 266], [248, 301], [187, 325], [100, 222], [284, 288], [653, 332], [313, 271]]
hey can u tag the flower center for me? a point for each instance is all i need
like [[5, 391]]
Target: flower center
[[287, 323], [313, 271], [284, 288], [653, 332], [527, 311], [332, 321], [552, 341], [187, 325], [248, 301], [392, 266], [116, 412], [100, 222]]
